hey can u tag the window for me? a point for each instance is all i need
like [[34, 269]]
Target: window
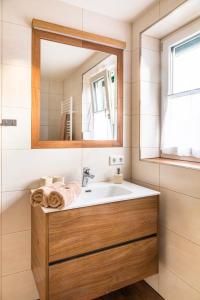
[[185, 66], [180, 136]]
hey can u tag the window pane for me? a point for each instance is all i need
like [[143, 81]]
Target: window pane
[[186, 65], [99, 88]]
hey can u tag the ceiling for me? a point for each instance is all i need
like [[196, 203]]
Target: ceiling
[[59, 60], [124, 10]]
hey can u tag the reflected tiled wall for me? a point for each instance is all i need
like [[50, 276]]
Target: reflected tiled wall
[[21, 166], [179, 272]]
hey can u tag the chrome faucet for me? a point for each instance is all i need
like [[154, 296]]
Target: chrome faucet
[[85, 176]]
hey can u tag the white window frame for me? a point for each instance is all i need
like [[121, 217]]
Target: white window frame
[[177, 37]]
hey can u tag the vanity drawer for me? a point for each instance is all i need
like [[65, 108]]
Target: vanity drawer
[[78, 231], [97, 274]]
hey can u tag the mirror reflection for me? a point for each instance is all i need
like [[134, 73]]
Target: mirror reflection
[[78, 93]]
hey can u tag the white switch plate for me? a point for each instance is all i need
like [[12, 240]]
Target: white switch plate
[[116, 160]]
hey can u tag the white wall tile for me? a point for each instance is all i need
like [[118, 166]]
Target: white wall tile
[[16, 86], [16, 45], [15, 212], [16, 252], [17, 137], [150, 43], [148, 17], [150, 98], [103, 25], [19, 286], [149, 152], [33, 164], [150, 66], [22, 12], [149, 131], [100, 167]]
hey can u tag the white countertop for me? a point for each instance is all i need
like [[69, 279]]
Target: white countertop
[[107, 192]]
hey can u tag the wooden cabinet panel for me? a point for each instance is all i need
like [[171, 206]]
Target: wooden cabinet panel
[[97, 274], [77, 231]]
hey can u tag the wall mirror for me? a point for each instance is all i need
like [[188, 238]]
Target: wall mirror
[[77, 92]]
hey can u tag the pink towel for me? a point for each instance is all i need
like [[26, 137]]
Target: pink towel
[[58, 195]]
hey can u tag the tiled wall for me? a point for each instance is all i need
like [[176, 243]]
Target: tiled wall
[[52, 94], [179, 274], [21, 166], [150, 97]]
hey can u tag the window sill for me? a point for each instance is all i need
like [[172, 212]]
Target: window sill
[[174, 162]]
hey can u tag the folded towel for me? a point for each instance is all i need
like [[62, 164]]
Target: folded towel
[[39, 196], [57, 195], [75, 187]]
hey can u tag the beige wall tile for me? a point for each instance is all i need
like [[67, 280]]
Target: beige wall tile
[[153, 281], [136, 98], [180, 213], [16, 252], [136, 65], [181, 180], [180, 256], [16, 86], [33, 164], [135, 131], [127, 105], [19, 286], [147, 185], [127, 66], [17, 137], [15, 212], [167, 6], [127, 131], [144, 171], [172, 287], [16, 45]]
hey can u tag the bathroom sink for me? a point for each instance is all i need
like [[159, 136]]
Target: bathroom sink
[[103, 191], [107, 192]]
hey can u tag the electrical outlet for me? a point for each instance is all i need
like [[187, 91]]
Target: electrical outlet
[[116, 160]]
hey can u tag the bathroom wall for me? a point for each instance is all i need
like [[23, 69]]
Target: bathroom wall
[[73, 86], [52, 94], [22, 166], [179, 272]]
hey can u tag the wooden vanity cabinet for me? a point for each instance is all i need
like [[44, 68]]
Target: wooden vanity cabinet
[[84, 253]]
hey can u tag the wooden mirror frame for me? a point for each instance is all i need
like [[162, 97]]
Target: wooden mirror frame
[[37, 35]]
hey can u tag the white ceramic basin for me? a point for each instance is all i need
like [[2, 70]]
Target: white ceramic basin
[[106, 192], [103, 191]]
